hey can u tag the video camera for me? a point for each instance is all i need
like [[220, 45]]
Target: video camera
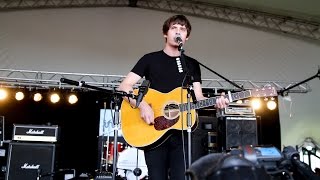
[[252, 162]]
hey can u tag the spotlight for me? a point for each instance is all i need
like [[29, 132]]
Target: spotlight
[[256, 103], [19, 96], [271, 105], [3, 94], [54, 98], [37, 97], [73, 99]]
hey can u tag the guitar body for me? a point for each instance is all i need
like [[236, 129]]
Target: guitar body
[[167, 115]]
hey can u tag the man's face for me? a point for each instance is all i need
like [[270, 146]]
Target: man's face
[[174, 31]]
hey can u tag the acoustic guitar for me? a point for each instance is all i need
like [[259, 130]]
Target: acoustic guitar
[[170, 114]]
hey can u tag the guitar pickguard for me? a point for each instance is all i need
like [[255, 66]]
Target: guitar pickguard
[[162, 123]]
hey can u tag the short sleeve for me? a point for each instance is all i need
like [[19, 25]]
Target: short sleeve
[[195, 69], [141, 67]]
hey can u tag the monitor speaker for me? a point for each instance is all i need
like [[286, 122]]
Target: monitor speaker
[[236, 131], [29, 160]]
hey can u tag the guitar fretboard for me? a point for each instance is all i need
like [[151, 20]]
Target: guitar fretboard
[[212, 101]]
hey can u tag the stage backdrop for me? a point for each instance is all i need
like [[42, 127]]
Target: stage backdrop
[[111, 40]]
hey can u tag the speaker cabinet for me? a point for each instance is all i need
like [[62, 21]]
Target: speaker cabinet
[[27, 160], [236, 131]]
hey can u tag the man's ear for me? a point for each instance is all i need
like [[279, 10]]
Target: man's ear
[[187, 38]]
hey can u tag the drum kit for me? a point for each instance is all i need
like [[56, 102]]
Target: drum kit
[[131, 163]]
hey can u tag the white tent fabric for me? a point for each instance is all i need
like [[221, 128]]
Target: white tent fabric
[[111, 40]]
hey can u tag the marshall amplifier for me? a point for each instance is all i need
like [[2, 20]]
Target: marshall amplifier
[[30, 161], [235, 109], [40, 133]]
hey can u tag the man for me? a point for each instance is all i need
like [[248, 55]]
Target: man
[[166, 71]]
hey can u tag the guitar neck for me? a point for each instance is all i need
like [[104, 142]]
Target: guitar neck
[[212, 101]]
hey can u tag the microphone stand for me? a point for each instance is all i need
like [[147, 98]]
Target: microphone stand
[[190, 95], [233, 83], [116, 99], [285, 91]]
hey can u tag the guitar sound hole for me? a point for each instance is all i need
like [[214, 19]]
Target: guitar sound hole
[[171, 111]]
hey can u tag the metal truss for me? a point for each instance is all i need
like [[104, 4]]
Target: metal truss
[[45, 80], [261, 20], [256, 19]]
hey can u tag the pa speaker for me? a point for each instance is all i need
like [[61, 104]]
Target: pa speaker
[[236, 131], [29, 160]]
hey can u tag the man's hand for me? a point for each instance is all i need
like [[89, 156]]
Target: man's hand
[[146, 113], [221, 101]]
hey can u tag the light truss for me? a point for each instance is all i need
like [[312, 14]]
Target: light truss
[[256, 19], [261, 20], [44, 79], [33, 4]]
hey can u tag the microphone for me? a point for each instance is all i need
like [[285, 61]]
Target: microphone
[[178, 40], [71, 82], [143, 89]]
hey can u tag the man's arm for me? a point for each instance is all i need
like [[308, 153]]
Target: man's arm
[[126, 85]]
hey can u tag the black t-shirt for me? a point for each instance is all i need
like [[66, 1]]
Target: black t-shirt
[[163, 73]]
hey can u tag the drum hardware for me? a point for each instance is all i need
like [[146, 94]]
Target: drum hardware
[[131, 164], [110, 150]]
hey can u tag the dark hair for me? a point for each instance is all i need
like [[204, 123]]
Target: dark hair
[[176, 19]]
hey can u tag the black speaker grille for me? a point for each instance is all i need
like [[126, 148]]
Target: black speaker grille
[[26, 158], [236, 131]]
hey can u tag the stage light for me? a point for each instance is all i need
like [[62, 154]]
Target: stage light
[[3, 94], [73, 99], [271, 104], [54, 98], [19, 96], [37, 97], [256, 103]]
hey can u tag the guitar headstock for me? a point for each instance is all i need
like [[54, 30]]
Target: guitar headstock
[[264, 92]]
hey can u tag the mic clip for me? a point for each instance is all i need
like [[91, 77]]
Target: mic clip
[[193, 96], [143, 89]]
